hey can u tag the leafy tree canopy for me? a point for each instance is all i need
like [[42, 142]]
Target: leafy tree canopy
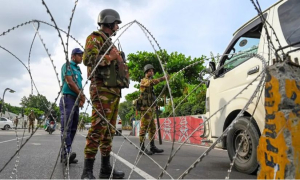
[[41, 103], [181, 85]]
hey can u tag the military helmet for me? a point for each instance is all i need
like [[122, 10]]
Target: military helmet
[[108, 16], [147, 67]]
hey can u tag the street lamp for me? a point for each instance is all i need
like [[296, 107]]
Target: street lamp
[[2, 104]]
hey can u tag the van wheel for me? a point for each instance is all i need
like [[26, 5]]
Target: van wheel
[[246, 159], [6, 127]]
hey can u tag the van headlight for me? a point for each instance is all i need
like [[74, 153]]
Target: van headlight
[[207, 104]]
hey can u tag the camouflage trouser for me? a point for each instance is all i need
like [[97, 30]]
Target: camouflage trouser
[[147, 122], [101, 133], [32, 126]]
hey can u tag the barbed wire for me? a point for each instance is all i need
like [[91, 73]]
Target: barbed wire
[[14, 171], [235, 120], [245, 133], [174, 132], [66, 53], [49, 110], [66, 124], [15, 27], [264, 21], [168, 86], [130, 142], [196, 129], [29, 54]]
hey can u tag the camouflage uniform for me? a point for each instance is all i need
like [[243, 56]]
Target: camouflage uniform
[[16, 121], [105, 99], [31, 121], [148, 118]]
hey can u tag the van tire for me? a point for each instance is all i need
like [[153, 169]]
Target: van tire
[[246, 159]]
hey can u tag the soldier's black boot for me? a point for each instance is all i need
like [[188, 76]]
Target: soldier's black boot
[[145, 150], [154, 149], [106, 169], [88, 169]]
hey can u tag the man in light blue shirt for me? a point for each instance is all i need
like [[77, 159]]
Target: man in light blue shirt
[[72, 84]]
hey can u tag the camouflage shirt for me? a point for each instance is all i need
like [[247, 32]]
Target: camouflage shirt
[[147, 82], [91, 56], [31, 117], [146, 88]]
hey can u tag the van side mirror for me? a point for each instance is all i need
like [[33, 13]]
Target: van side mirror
[[211, 67]]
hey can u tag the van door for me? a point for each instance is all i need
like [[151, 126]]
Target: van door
[[237, 73]]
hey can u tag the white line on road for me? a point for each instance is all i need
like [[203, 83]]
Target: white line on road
[[136, 169], [13, 139], [194, 145]]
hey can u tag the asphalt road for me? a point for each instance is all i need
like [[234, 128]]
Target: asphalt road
[[37, 159]]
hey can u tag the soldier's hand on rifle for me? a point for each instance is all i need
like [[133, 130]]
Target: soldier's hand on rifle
[[114, 54]]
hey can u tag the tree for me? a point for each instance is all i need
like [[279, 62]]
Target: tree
[[13, 109], [181, 84], [126, 111], [38, 101], [173, 63], [41, 103], [37, 112], [85, 117]]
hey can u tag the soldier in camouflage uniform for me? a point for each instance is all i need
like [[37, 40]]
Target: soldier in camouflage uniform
[[31, 118], [148, 97], [110, 77]]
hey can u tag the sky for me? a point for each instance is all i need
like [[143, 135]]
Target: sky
[[191, 27]]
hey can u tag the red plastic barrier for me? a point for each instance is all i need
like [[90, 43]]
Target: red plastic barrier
[[184, 126]]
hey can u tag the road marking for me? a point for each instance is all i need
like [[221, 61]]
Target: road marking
[[13, 139], [37, 144], [136, 169], [82, 135], [196, 146]]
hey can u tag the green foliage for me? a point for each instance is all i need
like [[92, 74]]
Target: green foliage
[[37, 112], [194, 104], [126, 111], [182, 84], [132, 96], [40, 103], [13, 109], [85, 117]]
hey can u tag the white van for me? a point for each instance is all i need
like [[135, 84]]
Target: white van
[[284, 18]]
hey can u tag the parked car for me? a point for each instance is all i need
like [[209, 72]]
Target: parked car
[[87, 126], [6, 124], [119, 126]]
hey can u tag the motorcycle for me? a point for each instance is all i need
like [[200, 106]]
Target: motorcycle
[[50, 127]]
